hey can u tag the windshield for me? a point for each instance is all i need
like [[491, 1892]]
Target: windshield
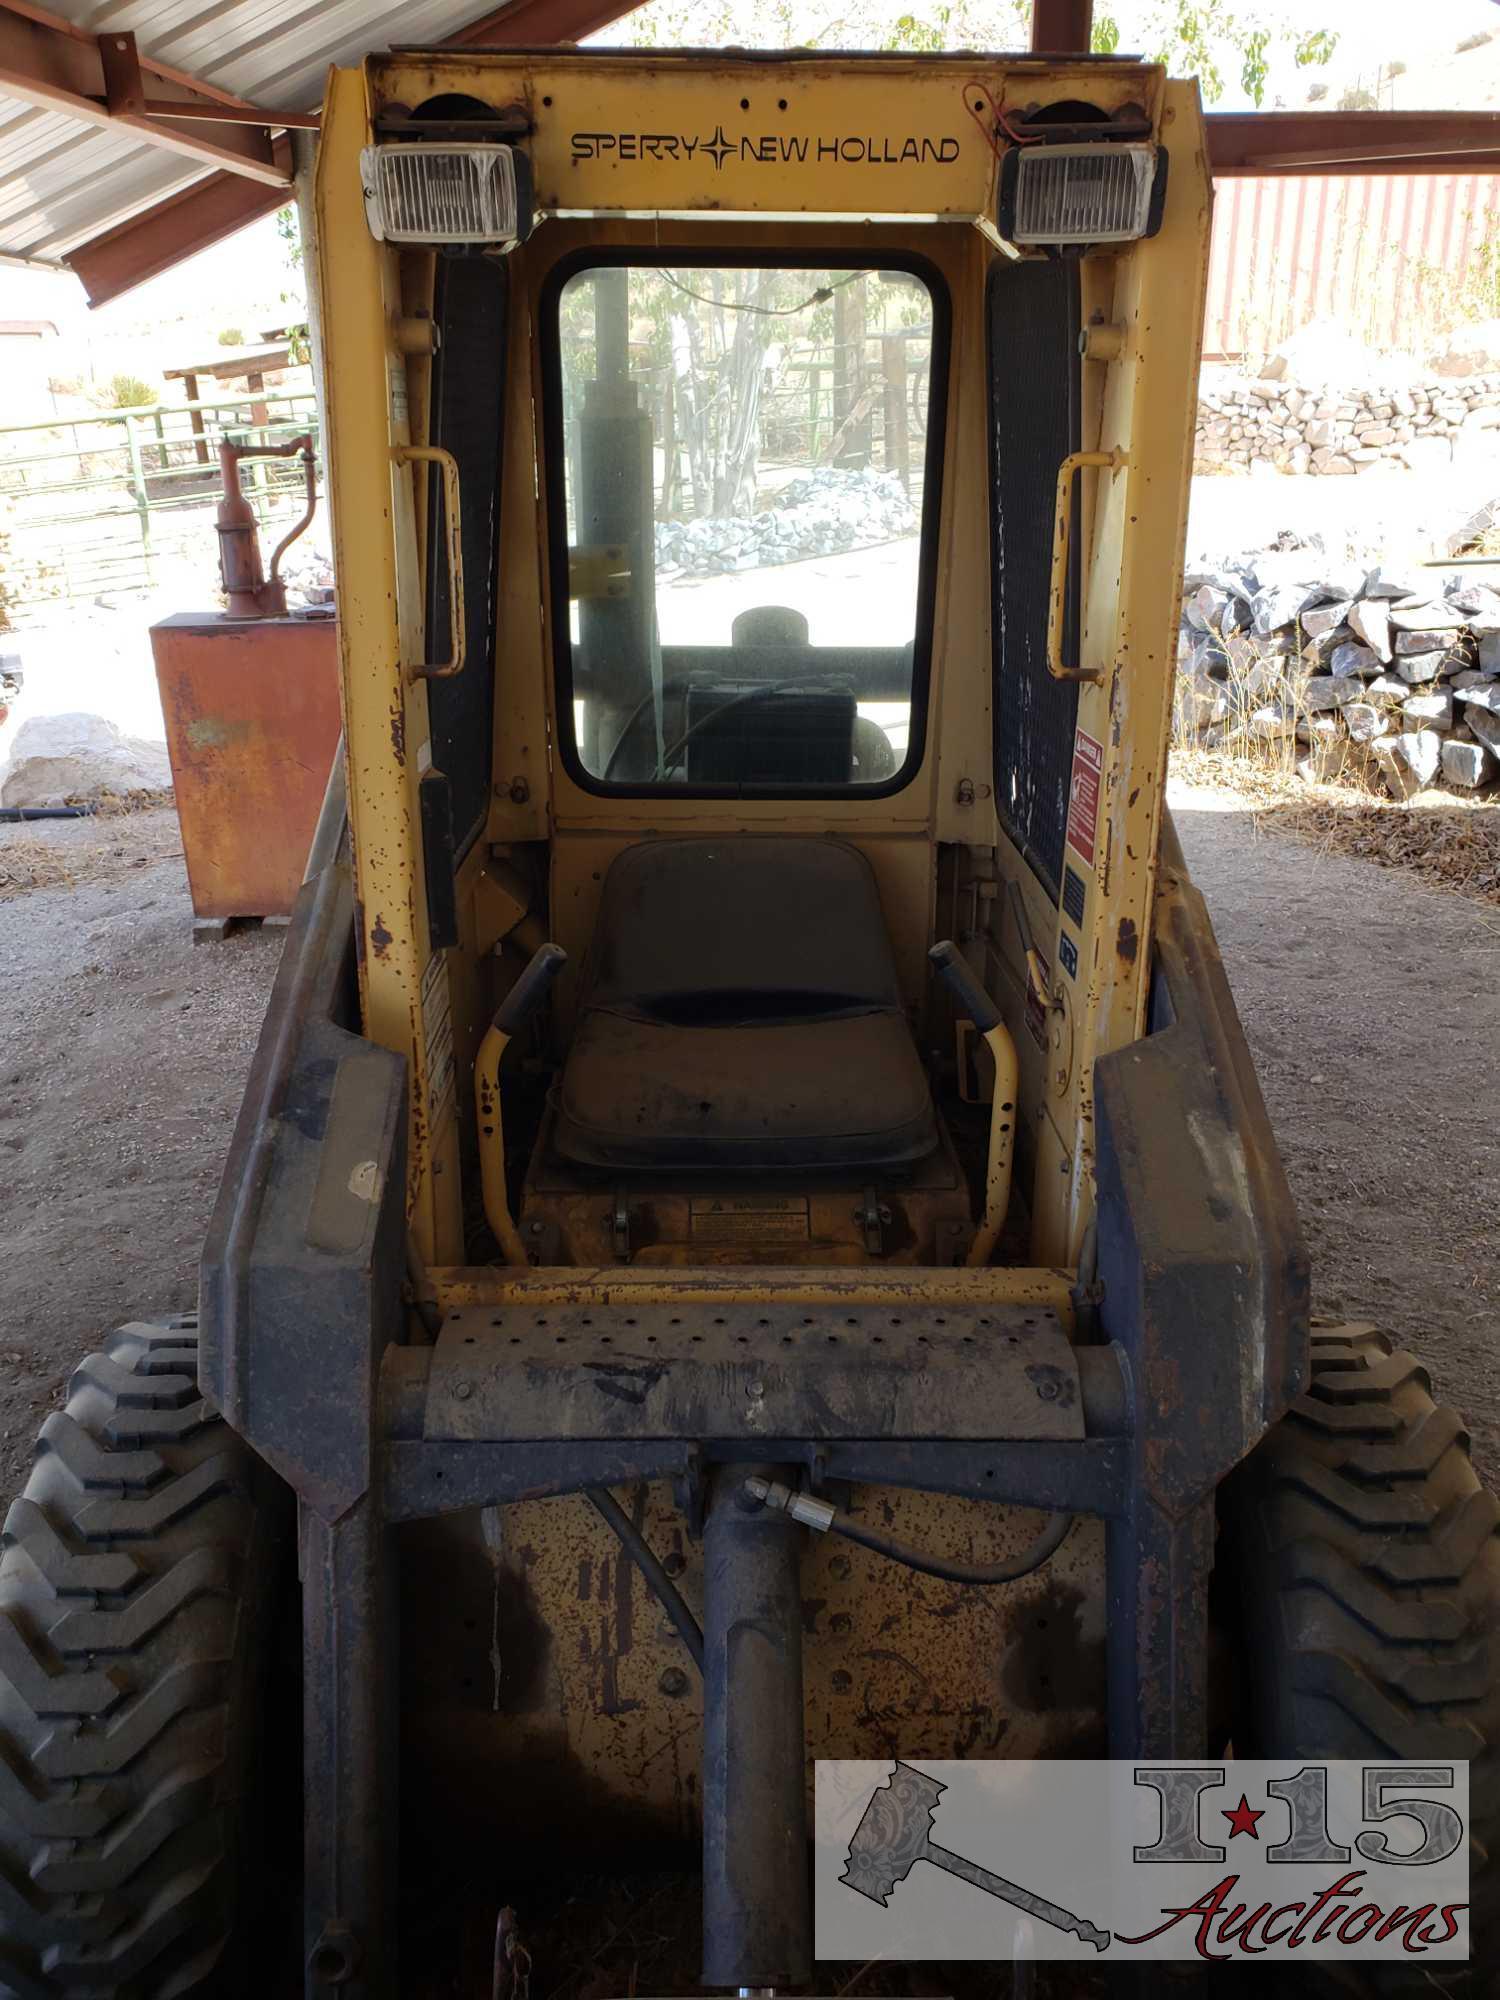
[[744, 453]]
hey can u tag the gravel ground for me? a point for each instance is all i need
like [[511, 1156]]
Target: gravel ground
[[123, 1051], [1372, 1007]]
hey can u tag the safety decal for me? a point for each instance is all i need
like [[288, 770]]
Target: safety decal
[[1083, 795]]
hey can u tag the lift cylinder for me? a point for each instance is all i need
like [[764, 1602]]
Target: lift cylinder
[[756, 1924]]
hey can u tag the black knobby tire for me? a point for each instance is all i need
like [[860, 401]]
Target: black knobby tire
[[1365, 1559], [136, 1592]]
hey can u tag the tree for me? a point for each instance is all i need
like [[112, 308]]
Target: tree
[[1205, 38]]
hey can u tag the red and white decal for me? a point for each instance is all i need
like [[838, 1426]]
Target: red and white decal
[[1083, 795]]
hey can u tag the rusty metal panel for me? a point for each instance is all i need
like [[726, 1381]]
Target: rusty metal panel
[[753, 1371], [545, 1689], [252, 717], [1385, 254]]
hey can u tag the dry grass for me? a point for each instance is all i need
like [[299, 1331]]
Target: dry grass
[[28, 863], [1450, 841], [124, 834]]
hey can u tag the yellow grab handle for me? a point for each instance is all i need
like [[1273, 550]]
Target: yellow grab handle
[[433, 454], [492, 1147], [1062, 537], [1002, 1144]]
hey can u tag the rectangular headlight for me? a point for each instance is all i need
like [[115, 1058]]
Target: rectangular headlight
[[445, 194], [1081, 194]]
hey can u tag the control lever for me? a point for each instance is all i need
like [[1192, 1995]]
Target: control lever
[[978, 1007], [511, 1016]]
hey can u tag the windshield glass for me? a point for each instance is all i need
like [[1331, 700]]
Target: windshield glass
[[744, 452]]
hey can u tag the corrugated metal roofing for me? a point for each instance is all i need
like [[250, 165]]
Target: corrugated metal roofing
[[63, 180]]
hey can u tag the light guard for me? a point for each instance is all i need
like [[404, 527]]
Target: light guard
[[445, 194], [1082, 194]]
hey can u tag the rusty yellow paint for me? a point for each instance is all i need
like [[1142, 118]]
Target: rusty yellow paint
[[380, 627], [846, 159], [869, 1284], [1132, 590], [811, 135]]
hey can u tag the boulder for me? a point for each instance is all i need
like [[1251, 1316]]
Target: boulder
[[1277, 605], [1350, 659], [1484, 727], [75, 759], [1426, 639], [1365, 722], [1429, 711], [1370, 620], [1325, 618], [1468, 764], [1321, 692], [1484, 697], [1419, 616], [1387, 687], [1421, 750], [1393, 583], [1489, 653], [1419, 667], [1401, 781]]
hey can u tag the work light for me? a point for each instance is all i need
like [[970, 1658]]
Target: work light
[[1101, 193], [446, 194]]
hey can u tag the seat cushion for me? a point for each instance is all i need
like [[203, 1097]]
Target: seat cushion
[[753, 927], [834, 1091], [740, 1010]]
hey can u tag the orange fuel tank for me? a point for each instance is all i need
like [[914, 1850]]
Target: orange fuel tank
[[252, 719]]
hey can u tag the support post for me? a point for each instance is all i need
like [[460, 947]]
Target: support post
[[349, 1756], [1062, 27], [1156, 1580], [756, 1921]]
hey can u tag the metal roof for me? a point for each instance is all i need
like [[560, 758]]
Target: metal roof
[[64, 181]]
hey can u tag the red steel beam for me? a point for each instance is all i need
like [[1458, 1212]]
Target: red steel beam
[[47, 61], [1353, 142], [212, 209], [1061, 27], [180, 226], [1261, 142]]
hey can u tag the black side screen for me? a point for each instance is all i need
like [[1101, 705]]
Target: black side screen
[[468, 400], [1032, 311]]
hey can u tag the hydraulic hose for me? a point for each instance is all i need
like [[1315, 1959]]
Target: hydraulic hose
[[639, 1550], [11, 815], [825, 1518]]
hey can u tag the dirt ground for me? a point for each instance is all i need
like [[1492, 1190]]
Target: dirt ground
[[123, 1050], [1372, 1007]]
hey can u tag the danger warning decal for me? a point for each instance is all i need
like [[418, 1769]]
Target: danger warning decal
[[1083, 795]]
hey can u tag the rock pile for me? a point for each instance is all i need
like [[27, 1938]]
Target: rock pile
[[1390, 670], [1274, 424], [823, 512]]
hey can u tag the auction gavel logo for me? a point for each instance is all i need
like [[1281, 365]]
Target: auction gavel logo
[[896, 1833]]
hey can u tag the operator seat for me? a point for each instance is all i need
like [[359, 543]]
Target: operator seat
[[740, 1012]]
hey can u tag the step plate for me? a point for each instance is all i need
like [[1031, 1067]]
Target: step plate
[[752, 1371]]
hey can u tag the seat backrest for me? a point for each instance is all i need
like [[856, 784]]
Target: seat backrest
[[747, 928]]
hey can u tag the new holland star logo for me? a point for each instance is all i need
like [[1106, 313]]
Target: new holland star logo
[[1243, 1818], [718, 147]]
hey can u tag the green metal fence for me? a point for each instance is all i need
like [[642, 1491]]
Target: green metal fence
[[93, 505]]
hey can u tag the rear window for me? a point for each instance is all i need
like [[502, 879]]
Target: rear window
[[747, 509]]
